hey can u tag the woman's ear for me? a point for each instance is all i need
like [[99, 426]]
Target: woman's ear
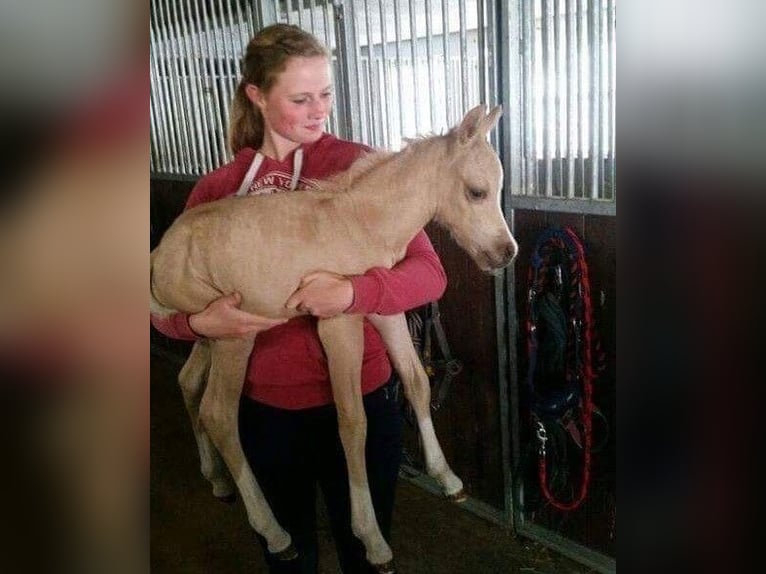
[[255, 95]]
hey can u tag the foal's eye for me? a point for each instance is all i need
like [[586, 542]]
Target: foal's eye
[[476, 194]]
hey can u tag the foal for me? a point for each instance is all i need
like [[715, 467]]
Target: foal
[[262, 246]]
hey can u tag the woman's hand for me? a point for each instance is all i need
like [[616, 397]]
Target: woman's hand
[[223, 319], [322, 294]]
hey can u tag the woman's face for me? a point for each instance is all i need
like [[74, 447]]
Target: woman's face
[[297, 106]]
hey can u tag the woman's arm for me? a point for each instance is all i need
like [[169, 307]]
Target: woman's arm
[[417, 279]]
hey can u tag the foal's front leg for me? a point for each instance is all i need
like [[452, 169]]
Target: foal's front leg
[[393, 330], [343, 341], [219, 413]]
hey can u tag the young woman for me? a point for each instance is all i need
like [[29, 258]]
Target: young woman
[[288, 423]]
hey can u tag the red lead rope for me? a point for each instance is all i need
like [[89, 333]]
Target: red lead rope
[[586, 404]]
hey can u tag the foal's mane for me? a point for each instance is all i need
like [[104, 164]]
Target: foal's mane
[[370, 162]]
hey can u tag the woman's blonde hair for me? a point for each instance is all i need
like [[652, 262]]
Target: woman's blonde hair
[[266, 57]]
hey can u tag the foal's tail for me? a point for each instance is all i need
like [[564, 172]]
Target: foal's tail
[[155, 307]]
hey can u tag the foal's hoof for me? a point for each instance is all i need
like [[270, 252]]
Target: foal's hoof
[[458, 497], [289, 553], [385, 568], [230, 498]]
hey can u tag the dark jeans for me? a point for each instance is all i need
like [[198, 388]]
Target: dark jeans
[[291, 452]]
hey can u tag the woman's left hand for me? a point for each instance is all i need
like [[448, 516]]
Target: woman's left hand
[[322, 294]]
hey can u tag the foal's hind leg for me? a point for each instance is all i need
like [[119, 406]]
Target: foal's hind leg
[[343, 341], [192, 380], [219, 413], [393, 330]]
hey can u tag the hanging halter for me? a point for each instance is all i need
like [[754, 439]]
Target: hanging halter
[[560, 301]]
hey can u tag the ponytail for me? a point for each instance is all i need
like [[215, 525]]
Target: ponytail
[[245, 122]]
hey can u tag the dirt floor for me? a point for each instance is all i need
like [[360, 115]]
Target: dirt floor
[[191, 532]]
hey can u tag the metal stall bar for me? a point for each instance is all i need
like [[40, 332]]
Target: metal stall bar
[[378, 126], [213, 75], [229, 56], [611, 94], [558, 185], [386, 78], [594, 147], [447, 67], [202, 145], [511, 73], [603, 104], [398, 67], [492, 91], [186, 116], [175, 108], [347, 42], [154, 134], [582, 61], [430, 60], [160, 94], [571, 147], [464, 92], [528, 98], [415, 65], [548, 92], [207, 103]]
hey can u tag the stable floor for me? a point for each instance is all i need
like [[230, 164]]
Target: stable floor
[[193, 533]]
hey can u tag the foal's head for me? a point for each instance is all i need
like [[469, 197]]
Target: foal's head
[[470, 208]]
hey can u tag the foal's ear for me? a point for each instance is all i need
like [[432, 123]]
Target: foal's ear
[[478, 123]]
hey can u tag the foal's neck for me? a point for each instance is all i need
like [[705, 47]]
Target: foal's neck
[[399, 195]]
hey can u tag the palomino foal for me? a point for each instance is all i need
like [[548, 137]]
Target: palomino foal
[[261, 246]]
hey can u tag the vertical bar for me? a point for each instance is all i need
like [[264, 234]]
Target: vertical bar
[[386, 77], [415, 65], [509, 81], [603, 104], [348, 58], [215, 71], [429, 60], [612, 142], [289, 11], [176, 111], [300, 14], [372, 77], [571, 96], [312, 9], [482, 48], [200, 120], [447, 67], [560, 88], [398, 66], [528, 98], [595, 125], [153, 143], [278, 12], [157, 94], [211, 113], [157, 65], [547, 48], [582, 65], [186, 121], [228, 53], [463, 59], [326, 16]]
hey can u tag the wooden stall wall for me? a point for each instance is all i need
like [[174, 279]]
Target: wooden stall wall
[[593, 524], [468, 424]]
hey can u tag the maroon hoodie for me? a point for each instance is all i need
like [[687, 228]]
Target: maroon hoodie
[[288, 368]]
